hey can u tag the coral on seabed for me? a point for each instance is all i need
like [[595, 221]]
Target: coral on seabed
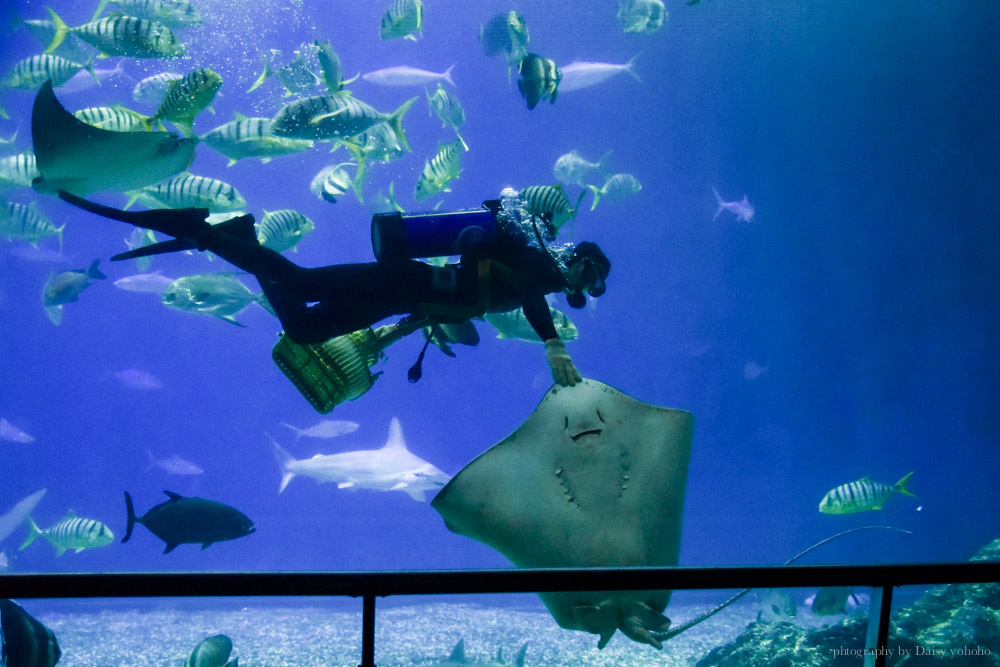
[[958, 624]]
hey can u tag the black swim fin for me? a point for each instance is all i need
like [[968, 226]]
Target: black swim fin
[[241, 226], [188, 226]]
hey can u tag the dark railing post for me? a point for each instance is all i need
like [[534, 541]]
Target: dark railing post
[[368, 632], [877, 637]]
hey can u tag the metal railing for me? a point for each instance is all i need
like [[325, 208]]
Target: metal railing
[[371, 585]]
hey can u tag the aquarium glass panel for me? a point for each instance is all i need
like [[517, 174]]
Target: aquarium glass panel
[[435, 284]]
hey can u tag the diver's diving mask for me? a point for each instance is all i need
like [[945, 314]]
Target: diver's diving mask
[[590, 277]]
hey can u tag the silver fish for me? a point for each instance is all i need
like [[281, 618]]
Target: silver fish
[[215, 294], [153, 283], [87, 78], [133, 378], [573, 169], [325, 428], [174, 465], [583, 74], [642, 16], [514, 324], [743, 209], [404, 75]]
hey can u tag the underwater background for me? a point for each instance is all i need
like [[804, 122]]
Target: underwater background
[[847, 330]]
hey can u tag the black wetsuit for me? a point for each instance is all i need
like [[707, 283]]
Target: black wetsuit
[[316, 304]]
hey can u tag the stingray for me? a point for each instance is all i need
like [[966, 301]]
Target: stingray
[[593, 478], [80, 158]]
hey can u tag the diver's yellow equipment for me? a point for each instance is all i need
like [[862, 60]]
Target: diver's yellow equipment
[[334, 371]]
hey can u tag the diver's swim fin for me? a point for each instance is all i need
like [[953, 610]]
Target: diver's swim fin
[[173, 245], [236, 227], [182, 223]]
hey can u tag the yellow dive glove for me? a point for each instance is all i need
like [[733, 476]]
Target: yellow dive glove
[[563, 370]]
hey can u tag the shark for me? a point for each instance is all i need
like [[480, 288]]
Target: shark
[[391, 468]]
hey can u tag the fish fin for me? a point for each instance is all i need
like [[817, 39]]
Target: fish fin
[[232, 320], [396, 123], [722, 204], [597, 196], [61, 31], [169, 548], [263, 75], [173, 496], [447, 76], [100, 8], [601, 167], [33, 532], [284, 462], [630, 69], [130, 510], [205, 545], [54, 313], [94, 272], [901, 485], [315, 120], [60, 550], [395, 439]]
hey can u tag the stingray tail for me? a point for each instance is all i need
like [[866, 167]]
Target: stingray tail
[[285, 461]]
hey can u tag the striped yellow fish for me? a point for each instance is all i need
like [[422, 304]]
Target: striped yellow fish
[[402, 19], [440, 170], [72, 532], [282, 230], [862, 495], [252, 137], [187, 191], [18, 221], [187, 97], [121, 35]]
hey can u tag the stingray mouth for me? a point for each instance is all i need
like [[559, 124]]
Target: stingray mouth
[[596, 432]]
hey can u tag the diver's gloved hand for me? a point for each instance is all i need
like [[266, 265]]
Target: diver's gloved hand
[[563, 370]]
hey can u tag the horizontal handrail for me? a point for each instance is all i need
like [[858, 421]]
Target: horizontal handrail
[[440, 582]]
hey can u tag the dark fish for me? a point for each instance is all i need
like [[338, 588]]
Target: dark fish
[[539, 80], [183, 520], [212, 652], [26, 641]]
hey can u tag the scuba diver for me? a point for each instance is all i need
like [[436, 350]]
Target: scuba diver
[[505, 264]]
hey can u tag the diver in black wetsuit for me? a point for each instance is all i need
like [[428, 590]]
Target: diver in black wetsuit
[[316, 304]]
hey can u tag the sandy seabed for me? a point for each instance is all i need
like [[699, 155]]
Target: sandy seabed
[[269, 634]]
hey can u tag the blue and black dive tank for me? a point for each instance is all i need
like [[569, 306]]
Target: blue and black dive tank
[[397, 236]]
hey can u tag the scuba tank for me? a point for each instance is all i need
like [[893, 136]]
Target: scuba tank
[[397, 236], [334, 371]]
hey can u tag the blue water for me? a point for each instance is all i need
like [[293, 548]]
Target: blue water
[[864, 134]]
